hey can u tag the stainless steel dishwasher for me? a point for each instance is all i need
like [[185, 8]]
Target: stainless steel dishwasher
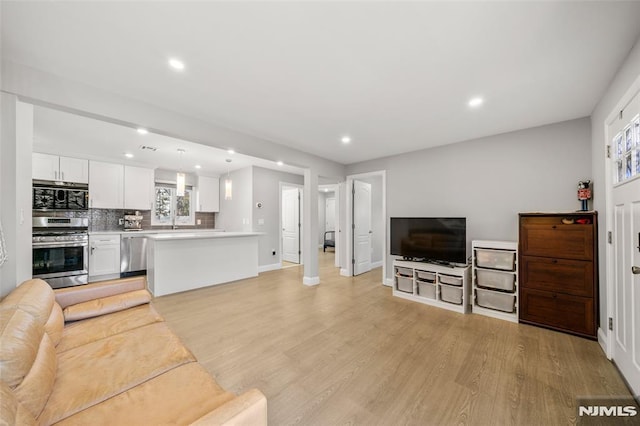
[[133, 255]]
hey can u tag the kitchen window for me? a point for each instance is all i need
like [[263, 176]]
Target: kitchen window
[[170, 209]]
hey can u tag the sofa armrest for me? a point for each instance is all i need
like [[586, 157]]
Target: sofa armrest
[[248, 409], [83, 293]]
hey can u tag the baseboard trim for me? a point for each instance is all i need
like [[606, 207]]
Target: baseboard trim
[[267, 268], [388, 282], [603, 340], [377, 264], [344, 272], [310, 280]]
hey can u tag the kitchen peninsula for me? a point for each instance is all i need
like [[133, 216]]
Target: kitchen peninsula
[[189, 260]]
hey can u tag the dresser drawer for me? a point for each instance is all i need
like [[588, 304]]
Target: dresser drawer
[[557, 240], [562, 311], [560, 275]]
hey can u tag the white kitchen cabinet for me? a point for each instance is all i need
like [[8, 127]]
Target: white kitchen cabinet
[[208, 194], [74, 170], [138, 188], [104, 256], [106, 185], [53, 167]]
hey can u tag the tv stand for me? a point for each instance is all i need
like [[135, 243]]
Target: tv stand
[[443, 286]]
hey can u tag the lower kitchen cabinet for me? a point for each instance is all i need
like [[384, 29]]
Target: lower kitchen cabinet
[[104, 257]]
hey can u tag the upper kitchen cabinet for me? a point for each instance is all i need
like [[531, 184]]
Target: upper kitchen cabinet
[[106, 185], [208, 194], [138, 188], [53, 167]]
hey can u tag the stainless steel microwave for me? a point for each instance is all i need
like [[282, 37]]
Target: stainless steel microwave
[[49, 196]]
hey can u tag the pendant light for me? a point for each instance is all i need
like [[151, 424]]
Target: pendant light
[[228, 185], [180, 178]]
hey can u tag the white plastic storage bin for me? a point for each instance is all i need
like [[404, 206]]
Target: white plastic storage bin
[[426, 276], [451, 294], [404, 284], [496, 300], [405, 272], [426, 289], [495, 280], [496, 259], [450, 280]]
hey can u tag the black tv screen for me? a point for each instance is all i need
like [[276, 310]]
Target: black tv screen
[[440, 239]]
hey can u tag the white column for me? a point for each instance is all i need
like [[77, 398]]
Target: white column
[[310, 228], [16, 144]]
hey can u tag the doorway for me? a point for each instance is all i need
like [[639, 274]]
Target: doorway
[[366, 222], [291, 224], [623, 255]]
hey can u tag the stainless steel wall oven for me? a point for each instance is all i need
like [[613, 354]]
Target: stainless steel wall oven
[[60, 250]]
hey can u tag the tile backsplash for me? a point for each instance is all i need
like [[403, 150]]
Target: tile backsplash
[[107, 219]]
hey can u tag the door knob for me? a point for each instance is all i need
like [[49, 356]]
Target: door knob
[[635, 270]]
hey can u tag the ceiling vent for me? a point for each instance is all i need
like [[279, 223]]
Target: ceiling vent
[[148, 148]]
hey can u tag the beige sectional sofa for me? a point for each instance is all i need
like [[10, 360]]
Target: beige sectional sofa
[[114, 361]]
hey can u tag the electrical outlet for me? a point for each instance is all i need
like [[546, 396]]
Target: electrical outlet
[[199, 222]]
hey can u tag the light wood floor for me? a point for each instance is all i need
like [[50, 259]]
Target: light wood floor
[[348, 352]]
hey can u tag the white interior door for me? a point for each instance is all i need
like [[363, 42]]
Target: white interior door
[[330, 215], [626, 250], [291, 250], [362, 227]]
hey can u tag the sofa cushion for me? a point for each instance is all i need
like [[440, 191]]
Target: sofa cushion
[[36, 387], [179, 396], [93, 329], [92, 373], [20, 336], [12, 412], [106, 305]]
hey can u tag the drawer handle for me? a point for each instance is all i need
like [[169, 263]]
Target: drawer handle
[[554, 227], [554, 261]]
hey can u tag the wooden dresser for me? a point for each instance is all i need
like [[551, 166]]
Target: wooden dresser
[[559, 272]]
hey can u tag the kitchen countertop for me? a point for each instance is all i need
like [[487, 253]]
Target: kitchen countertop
[[156, 231], [199, 235]]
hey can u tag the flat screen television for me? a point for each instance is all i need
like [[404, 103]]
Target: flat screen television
[[432, 239]]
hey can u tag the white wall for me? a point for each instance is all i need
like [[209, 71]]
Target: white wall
[[235, 214], [16, 141], [266, 189], [489, 180], [626, 75]]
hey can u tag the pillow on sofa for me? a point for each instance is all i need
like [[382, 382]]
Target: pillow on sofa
[[106, 305]]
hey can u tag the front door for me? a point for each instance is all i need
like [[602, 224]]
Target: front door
[[362, 227], [625, 145]]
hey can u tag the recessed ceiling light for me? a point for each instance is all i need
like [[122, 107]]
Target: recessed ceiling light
[[475, 102], [128, 155], [346, 139], [230, 152], [280, 163], [176, 64], [326, 190], [142, 131], [198, 166]]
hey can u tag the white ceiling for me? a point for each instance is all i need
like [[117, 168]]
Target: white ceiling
[[61, 133], [395, 76]]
